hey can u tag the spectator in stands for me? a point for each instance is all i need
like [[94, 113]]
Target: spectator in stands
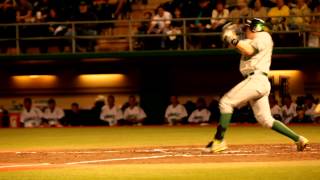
[[134, 114], [142, 43], [84, 14], [289, 109], [30, 116], [175, 112], [110, 113], [24, 14], [219, 12], [160, 24], [275, 108], [174, 40], [53, 115], [240, 12], [75, 117], [24, 11], [7, 15], [201, 115], [202, 24], [7, 11], [56, 29], [314, 36], [4, 117], [41, 10], [278, 16], [216, 23], [302, 10], [117, 7], [257, 10], [104, 12]]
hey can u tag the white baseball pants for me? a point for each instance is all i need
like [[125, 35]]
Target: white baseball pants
[[254, 89]]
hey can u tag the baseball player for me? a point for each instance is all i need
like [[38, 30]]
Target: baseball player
[[30, 116], [134, 114], [201, 115], [53, 114], [110, 113], [255, 62], [175, 112]]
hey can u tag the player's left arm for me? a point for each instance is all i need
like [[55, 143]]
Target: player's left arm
[[246, 48]]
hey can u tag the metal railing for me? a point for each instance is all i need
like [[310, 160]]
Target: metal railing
[[22, 33]]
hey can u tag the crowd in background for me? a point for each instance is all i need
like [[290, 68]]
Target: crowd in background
[[164, 21], [55, 11], [295, 15], [106, 113]]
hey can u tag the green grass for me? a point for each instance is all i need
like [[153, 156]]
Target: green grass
[[308, 170], [81, 138]]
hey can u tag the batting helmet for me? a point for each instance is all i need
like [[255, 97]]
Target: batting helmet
[[255, 24]]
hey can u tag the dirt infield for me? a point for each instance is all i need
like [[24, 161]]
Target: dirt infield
[[180, 154]]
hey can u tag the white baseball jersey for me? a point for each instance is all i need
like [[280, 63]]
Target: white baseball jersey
[[31, 118], [311, 112], [162, 21], [199, 116], [111, 115], [261, 60], [53, 116], [276, 110], [289, 112], [136, 113], [176, 113]]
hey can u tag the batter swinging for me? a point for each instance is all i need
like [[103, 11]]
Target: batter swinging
[[255, 64]]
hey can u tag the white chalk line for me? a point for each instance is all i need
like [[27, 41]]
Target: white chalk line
[[137, 158], [25, 165], [158, 157], [118, 159], [168, 152]]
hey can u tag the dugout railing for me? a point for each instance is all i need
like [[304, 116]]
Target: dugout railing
[[15, 36]]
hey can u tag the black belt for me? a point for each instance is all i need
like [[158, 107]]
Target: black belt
[[252, 73]]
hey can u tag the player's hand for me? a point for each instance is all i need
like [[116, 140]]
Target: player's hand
[[229, 33]]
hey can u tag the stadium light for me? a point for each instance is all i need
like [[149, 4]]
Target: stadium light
[[98, 80], [28, 81]]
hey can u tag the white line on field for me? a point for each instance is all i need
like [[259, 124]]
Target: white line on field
[[158, 157], [26, 165], [118, 159]]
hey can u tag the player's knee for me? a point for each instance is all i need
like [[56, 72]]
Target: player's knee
[[265, 121], [225, 106]]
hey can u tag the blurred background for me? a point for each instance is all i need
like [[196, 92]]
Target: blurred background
[[62, 63]]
